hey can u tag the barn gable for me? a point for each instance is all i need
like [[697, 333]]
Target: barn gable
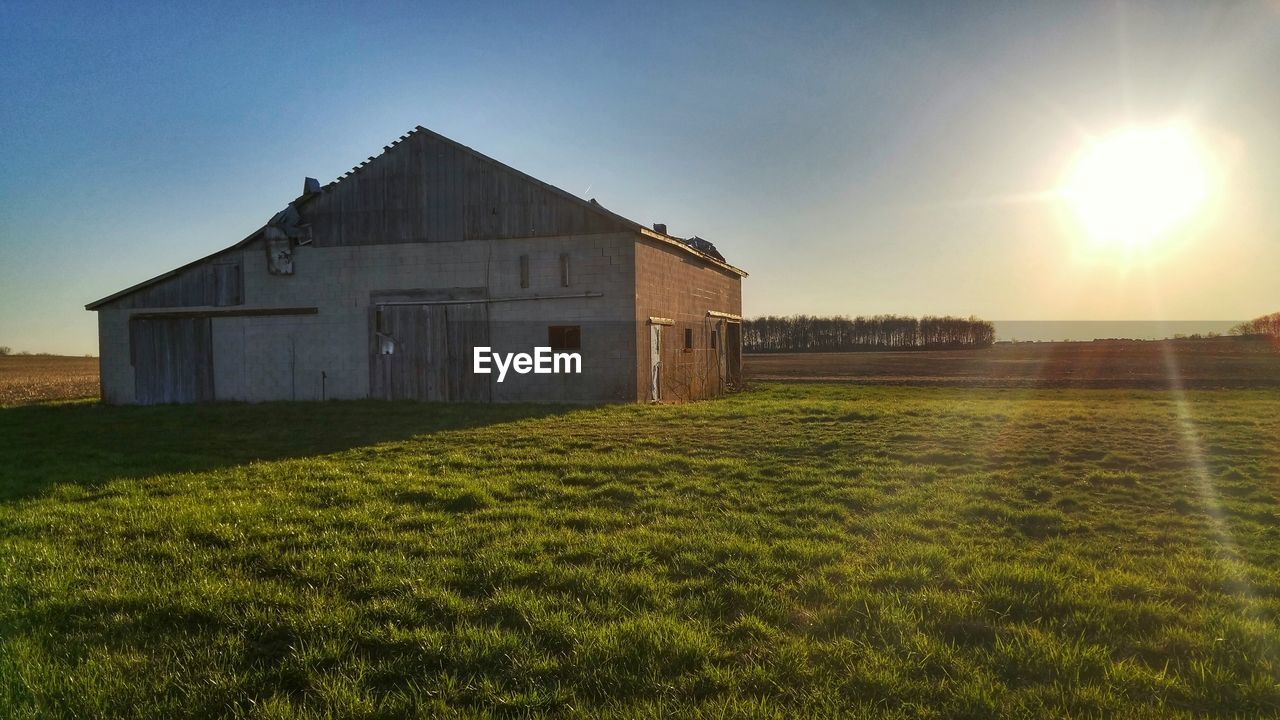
[[428, 188], [423, 188], [213, 281]]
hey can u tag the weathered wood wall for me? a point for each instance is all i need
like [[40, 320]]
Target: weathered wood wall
[[431, 353], [427, 188], [172, 360], [216, 282]]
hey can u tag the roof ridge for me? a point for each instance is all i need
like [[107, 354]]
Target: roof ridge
[[385, 149]]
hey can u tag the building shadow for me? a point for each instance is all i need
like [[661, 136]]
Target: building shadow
[[88, 444]]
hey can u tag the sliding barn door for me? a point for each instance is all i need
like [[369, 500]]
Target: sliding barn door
[[468, 328], [172, 360], [424, 352], [410, 353]]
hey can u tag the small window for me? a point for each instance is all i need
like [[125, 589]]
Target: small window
[[524, 271], [379, 320], [564, 270], [564, 337], [715, 339], [688, 338]]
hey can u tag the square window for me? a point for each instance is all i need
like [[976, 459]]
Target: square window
[[564, 337]]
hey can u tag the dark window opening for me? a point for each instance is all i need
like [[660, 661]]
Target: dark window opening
[[564, 337], [688, 338], [379, 321], [524, 271], [715, 339], [564, 270]]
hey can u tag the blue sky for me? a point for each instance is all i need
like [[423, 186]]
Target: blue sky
[[855, 158]]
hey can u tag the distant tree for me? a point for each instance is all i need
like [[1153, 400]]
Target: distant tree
[[5, 350], [1265, 325], [805, 333]]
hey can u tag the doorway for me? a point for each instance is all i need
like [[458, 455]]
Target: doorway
[[423, 351], [172, 360], [655, 362]]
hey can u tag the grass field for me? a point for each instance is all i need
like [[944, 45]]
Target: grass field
[[820, 550]]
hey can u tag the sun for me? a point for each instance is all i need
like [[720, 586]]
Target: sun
[[1129, 189]]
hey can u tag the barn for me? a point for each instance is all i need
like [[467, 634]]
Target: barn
[[384, 282]]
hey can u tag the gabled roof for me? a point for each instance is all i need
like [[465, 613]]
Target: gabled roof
[[694, 247]]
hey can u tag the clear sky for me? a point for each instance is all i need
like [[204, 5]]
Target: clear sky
[[855, 158]]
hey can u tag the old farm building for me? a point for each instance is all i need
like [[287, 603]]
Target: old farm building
[[381, 283]]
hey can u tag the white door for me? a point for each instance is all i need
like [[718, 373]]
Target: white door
[[655, 362]]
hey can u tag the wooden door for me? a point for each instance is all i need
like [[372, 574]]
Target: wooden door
[[468, 328], [409, 353], [424, 352], [172, 360], [655, 363]]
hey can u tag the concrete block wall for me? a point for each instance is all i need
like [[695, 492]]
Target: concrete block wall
[[672, 284], [115, 364], [258, 358], [598, 263]]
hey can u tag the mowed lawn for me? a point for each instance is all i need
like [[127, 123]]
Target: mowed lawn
[[796, 550]]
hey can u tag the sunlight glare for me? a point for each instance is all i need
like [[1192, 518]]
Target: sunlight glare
[[1134, 186]]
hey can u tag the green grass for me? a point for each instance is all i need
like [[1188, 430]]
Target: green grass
[[796, 550]]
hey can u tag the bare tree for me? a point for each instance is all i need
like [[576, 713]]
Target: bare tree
[[805, 333], [1265, 325]]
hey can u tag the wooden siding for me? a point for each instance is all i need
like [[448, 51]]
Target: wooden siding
[[172, 360], [431, 353], [218, 282], [427, 188]]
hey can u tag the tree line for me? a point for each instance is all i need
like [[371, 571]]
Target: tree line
[[1265, 325], [808, 333]]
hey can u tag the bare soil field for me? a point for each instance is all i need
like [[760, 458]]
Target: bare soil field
[[36, 378], [1210, 363]]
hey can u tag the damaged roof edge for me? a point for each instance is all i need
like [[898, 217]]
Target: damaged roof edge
[[297, 202], [676, 242]]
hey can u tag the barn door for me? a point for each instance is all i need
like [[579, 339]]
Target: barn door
[[468, 327], [409, 353], [423, 352], [172, 360]]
